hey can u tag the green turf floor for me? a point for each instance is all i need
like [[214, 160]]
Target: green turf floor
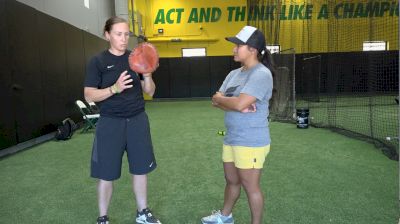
[[311, 176]]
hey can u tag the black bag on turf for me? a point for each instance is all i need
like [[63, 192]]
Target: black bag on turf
[[66, 130]]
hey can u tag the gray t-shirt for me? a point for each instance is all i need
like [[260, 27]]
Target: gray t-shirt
[[248, 129]]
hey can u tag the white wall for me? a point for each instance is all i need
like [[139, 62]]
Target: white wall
[[74, 12]]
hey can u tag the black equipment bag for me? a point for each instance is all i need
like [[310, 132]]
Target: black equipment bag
[[66, 130]]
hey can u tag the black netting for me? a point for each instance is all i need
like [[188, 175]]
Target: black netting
[[346, 89], [283, 103]]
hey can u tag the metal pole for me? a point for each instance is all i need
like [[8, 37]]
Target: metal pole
[[133, 18], [398, 115], [294, 84]]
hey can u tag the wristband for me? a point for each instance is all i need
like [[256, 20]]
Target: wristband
[[115, 89]]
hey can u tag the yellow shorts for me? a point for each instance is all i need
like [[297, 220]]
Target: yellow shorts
[[245, 157]]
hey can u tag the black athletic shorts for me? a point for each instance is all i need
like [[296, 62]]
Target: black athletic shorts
[[113, 137]]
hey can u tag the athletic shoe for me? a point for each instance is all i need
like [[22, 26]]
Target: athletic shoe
[[146, 217], [102, 220], [216, 217]]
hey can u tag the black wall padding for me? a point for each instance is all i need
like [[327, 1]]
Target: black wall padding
[[200, 77], [75, 65], [180, 77], [219, 69], [162, 77], [92, 45], [42, 71], [53, 68], [191, 77], [27, 79], [7, 117]]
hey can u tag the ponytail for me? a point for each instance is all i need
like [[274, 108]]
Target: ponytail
[[265, 58]]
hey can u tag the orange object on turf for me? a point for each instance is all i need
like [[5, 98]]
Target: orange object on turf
[[144, 58]]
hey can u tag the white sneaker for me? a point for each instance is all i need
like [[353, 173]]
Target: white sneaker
[[146, 217], [102, 220], [216, 217]]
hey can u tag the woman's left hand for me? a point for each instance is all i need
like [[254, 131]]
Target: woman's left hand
[[251, 109]]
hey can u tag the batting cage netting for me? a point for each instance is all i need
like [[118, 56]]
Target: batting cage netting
[[340, 60]]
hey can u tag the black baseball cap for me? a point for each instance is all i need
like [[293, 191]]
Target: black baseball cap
[[249, 36]]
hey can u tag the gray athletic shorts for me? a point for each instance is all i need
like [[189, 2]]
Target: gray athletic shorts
[[113, 137]]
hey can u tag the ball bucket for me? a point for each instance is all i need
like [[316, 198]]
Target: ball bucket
[[302, 117]]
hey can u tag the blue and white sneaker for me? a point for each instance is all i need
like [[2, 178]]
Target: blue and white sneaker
[[216, 217], [146, 217]]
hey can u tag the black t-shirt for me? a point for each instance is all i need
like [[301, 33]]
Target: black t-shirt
[[102, 72]]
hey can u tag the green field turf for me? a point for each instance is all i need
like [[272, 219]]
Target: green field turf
[[311, 176]]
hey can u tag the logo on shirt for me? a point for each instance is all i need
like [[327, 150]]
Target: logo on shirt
[[109, 66], [229, 92]]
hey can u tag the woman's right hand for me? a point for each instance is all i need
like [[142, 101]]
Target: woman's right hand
[[123, 81]]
